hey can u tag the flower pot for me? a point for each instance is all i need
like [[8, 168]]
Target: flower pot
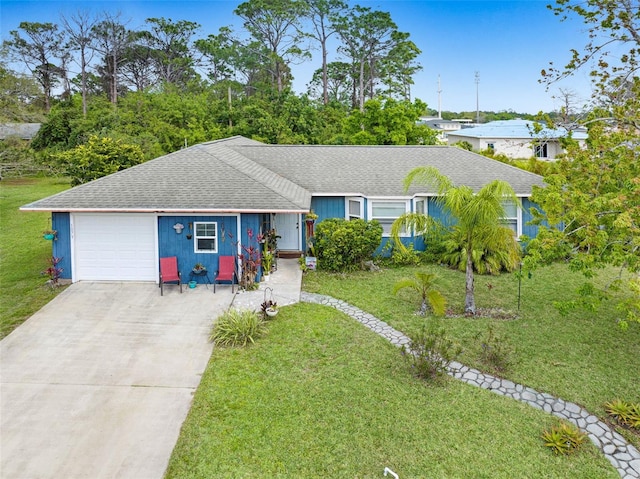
[[49, 236], [271, 312], [192, 284]]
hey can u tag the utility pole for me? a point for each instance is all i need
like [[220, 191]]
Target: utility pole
[[439, 99], [477, 98]]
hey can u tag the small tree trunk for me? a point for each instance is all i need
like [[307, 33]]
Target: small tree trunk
[[469, 300]]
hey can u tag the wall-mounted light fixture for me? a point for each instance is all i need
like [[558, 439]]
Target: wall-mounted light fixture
[[178, 227]]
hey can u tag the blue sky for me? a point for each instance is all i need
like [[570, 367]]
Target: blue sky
[[507, 42]]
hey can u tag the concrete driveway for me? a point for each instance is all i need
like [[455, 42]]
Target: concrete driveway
[[98, 382]]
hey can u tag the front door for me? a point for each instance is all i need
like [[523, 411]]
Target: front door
[[288, 228]]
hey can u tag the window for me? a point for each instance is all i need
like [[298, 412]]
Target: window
[[540, 150], [420, 206], [491, 146], [386, 212], [206, 237], [511, 218], [354, 208]]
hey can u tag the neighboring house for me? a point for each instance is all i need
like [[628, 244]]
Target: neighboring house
[[444, 127], [116, 227], [516, 139], [24, 131]]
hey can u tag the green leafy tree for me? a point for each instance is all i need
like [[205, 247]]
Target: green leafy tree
[[321, 14], [41, 49], [273, 24], [20, 98], [591, 205], [99, 157], [388, 122], [423, 284], [477, 216]]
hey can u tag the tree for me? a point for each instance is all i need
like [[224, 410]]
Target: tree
[[321, 13], [423, 284], [110, 38], [99, 157], [477, 216], [170, 43], [368, 37], [591, 208], [20, 98], [274, 25], [78, 28], [591, 205], [338, 85], [388, 122], [39, 52]]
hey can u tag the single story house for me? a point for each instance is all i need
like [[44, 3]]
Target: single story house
[[225, 192], [516, 139]]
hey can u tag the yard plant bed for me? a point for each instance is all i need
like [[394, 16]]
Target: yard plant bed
[[23, 251], [321, 396]]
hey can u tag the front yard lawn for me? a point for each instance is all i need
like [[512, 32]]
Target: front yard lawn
[[23, 251], [583, 357], [321, 396]]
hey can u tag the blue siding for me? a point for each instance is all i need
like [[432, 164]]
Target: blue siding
[[172, 244], [328, 207], [251, 222], [325, 207], [529, 230], [61, 247]]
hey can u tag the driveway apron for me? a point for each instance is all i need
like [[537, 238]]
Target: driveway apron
[[98, 382]]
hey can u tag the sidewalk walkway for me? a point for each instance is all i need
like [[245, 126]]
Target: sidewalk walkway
[[622, 455]]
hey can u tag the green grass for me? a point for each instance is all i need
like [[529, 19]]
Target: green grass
[[583, 357], [321, 396], [23, 251]]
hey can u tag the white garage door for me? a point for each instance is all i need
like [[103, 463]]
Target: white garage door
[[115, 247]]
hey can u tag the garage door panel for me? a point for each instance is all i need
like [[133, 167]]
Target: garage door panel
[[115, 247]]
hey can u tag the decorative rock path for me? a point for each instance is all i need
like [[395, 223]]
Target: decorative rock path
[[622, 455]]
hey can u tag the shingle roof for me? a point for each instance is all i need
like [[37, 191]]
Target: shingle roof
[[380, 170], [515, 129], [25, 131], [241, 175]]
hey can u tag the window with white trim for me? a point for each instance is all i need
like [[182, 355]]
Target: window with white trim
[[540, 150], [354, 208], [386, 212], [206, 237], [512, 218], [420, 206]]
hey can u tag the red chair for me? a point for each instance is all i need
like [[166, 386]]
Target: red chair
[[226, 271], [169, 273]]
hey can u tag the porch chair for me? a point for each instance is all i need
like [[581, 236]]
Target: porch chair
[[226, 271], [169, 273]]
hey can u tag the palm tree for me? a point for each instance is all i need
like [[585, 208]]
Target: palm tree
[[423, 284], [477, 215]]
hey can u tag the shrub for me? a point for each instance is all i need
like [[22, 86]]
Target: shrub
[[564, 438], [489, 260], [343, 245], [237, 327], [624, 412], [405, 257], [423, 283], [493, 351], [430, 352]]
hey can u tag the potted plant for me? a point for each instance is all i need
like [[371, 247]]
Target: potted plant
[[199, 268], [269, 308], [49, 234], [267, 263]]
